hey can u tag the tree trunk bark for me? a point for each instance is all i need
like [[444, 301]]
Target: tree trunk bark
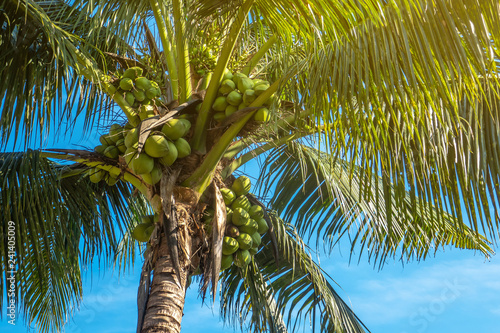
[[166, 300]]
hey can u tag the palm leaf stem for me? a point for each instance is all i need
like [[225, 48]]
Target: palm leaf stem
[[258, 55], [182, 51], [200, 132], [165, 36]]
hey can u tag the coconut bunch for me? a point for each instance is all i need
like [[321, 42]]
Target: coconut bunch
[[237, 92], [245, 224], [136, 89]]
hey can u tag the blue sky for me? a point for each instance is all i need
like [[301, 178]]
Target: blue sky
[[456, 291]]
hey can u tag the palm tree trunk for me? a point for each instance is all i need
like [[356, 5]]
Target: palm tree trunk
[[167, 295]]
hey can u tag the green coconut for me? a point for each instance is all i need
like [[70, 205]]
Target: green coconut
[[259, 89], [229, 214], [142, 163], [220, 104], [242, 105], [240, 216], [111, 180], [148, 219], [271, 100], [230, 109], [131, 137], [111, 152], [226, 87], [227, 74], [244, 241], [153, 177], [129, 98], [234, 98], [156, 146], [230, 245], [219, 116], [243, 258], [142, 83], [139, 233], [139, 95], [132, 72], [241, 202], [129, 154], [250, 227], [262, 115], [171, 157], [245, 84], [253, 251], [100, 149], [256, 239], [226, 262], [120, 144], [249, 96], [175, 128], [183, 148], [256, 212], [237, 77], [105, 140], [228, 196], [111, 89], [115, 132], [126, 84], [242, 185], [263, 226], [96, 175], [149, 231]]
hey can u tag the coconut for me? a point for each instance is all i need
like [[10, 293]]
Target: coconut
[[243, 258], [226, 262], [183, 148], [242, 105], [250, 227], [262, 115], [186, 122], [253, 251], [227, 74], [226, 87], [121, 145], [232, 231], [241, 202], [245, 84], [129, 154], [129, 98], [228, 196], [100, 149], [244, 241], [139, 95], [153, 177], [220, 104], [131, 137], [148, 219], [249, 96], [96, 175], [132, 72], [142, 83], [105, 140], [241, 185], [219, 116], [142, 164], [259, 89], [111, 180], [139, 233], [234, 98], [230, 245], [175, 128], [230, 109], [256, 212], [256, 239], [271, 100], [240, 216], [156, 146], [263, 226], [229, 214], [111, 152], [170, 158], [237, 77], [126, 84], [111, 89]]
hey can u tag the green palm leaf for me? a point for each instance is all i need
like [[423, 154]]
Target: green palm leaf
[[295, 291], [328, 202], [61, 221]]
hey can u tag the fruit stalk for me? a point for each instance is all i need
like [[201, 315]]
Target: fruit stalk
[[182, 52]]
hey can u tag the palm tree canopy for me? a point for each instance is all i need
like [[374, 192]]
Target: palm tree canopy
[[388, 117]]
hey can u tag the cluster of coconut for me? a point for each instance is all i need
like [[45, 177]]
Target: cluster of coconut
[[237, 92], [244, 227]]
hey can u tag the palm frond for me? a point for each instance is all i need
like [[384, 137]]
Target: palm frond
[[61, 223], [282, 298], [328, 200]]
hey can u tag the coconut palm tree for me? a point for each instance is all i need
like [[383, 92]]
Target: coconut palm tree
[[371, 120]]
